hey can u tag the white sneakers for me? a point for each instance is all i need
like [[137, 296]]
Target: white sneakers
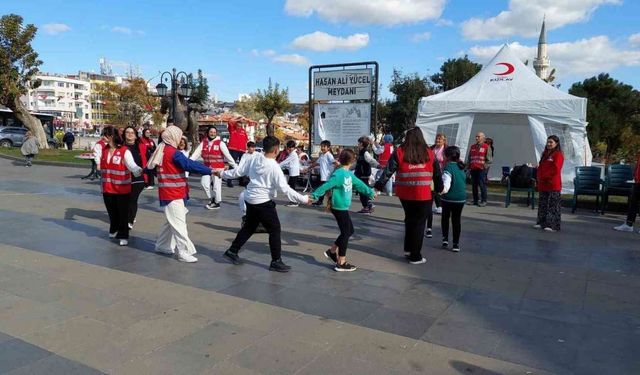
[[113, 235], [624, 228], [124, 242], [547, 229], [438, 210], [187, 258], [537, 226]]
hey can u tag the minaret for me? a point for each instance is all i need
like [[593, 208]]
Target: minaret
[[541, 62]]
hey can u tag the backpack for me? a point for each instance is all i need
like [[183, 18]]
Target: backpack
[[521, 176]]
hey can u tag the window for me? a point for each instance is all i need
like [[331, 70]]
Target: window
[[60, 84], [86, 116], [450, 131], [562, 132]]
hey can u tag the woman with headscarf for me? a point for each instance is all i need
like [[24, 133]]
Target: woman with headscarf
[[29, 148], [415, 167], [173, 191]]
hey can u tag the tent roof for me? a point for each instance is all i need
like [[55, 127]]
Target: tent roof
[[505, 85]]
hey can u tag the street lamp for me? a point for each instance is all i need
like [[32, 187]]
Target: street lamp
[[185, 88]]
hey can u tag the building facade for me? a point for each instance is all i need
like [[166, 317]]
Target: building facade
[[66, 98]]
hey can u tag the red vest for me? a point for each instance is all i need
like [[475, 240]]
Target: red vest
[[413, 181], [477, 156], [172, 182], [116, 178], [211, 154], [384, 157]]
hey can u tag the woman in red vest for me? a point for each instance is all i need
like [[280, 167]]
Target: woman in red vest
[[415, 167], [139, 153], [151, 147], [550, 185], [173, 191], [116, 167]]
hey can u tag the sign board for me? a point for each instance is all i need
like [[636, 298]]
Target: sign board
[[341, 123], [337, 85]]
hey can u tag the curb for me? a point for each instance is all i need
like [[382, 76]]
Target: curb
[[50, 163]]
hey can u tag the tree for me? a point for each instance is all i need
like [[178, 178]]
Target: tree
[[272, 102], [129, 103], [247, 107], [403, 109], [18, 65], [200, 95], [612, 108], [455, 72]]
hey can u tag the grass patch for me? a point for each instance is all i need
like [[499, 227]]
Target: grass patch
[[55, 155]]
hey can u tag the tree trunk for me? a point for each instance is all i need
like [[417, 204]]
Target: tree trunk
[[30, 122], [270, 129]]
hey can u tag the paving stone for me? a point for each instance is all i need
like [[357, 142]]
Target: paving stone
[[17, 353], [168, 361], [399, 322], [276, 357], [55, 365], [464, 336]]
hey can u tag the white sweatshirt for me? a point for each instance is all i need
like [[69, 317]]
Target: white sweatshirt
[[292, 162], [197, 153], [266, 178]]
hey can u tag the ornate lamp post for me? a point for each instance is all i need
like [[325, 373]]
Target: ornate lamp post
[[181, 84]]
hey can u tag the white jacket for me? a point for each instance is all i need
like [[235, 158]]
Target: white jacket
[[292, 162], [266, 178]]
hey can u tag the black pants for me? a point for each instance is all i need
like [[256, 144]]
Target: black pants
[[634, 204], [364, 198], [293, 181], [549, 209], [415, 219], [430, 214], [478, 179], [346, 230], [437, 199], [136, 189], [236, 155], [69, 145], [150, 179], [118, 210], [320, 200], [265, 214], [454, 211]]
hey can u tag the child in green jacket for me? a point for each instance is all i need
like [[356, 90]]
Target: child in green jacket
[[341, 184]]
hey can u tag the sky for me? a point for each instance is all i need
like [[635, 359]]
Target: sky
[[240, 44]]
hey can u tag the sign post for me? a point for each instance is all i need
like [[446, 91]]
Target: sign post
[[343, 102]]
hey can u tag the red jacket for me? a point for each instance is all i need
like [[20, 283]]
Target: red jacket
[[172, 182], [413, 181], [550, 172], [116, 178], [237, 137]]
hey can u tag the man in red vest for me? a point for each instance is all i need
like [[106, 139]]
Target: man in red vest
[[213, 152], [237, 143], [478, 162], [634, 201], [384, 152]]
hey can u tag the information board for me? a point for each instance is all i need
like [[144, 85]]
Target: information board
[[341, 123]]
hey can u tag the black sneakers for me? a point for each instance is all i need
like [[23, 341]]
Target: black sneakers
[[345, 267], [455, 248], [330, 255], [445, 243], [279, 266], [233, 257], [212, 206], [428, 233]]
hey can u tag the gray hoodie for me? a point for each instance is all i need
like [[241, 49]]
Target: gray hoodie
[[30, 146]]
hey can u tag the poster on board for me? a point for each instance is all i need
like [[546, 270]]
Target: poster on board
[[341, 123], [339, 85]]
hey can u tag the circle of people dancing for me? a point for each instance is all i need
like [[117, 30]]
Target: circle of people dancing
[[419, 175]]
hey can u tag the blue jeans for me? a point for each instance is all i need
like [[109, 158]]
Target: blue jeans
[[479, 178]]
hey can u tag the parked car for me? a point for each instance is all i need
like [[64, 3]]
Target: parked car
[[12, 136]]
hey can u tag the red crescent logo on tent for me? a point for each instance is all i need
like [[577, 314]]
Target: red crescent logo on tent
[[510, 69]]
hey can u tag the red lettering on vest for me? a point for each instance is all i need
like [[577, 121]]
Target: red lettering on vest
[[116, 178], [413, 181]]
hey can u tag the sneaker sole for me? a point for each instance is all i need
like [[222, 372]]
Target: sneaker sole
[[345, 270], [455, 250], [281, 270], [187, 261], [165, 252], [418, 262], [234, 261]]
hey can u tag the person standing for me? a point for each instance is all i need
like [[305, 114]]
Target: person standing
[[265, 177], [454, 195], [384, 152], [173, 191], [364, 163], [213, 152], [550, 186], [68, 138], [151, 147], [479, 161], [139, 153], [116, 167], [325, 163], [634, 201], [29, 148], [237, 143], [292, 164], [438, 152], [341, 184], [415, 167], [98, 147]]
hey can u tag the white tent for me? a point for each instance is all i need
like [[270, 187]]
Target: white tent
[[510, 104]]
